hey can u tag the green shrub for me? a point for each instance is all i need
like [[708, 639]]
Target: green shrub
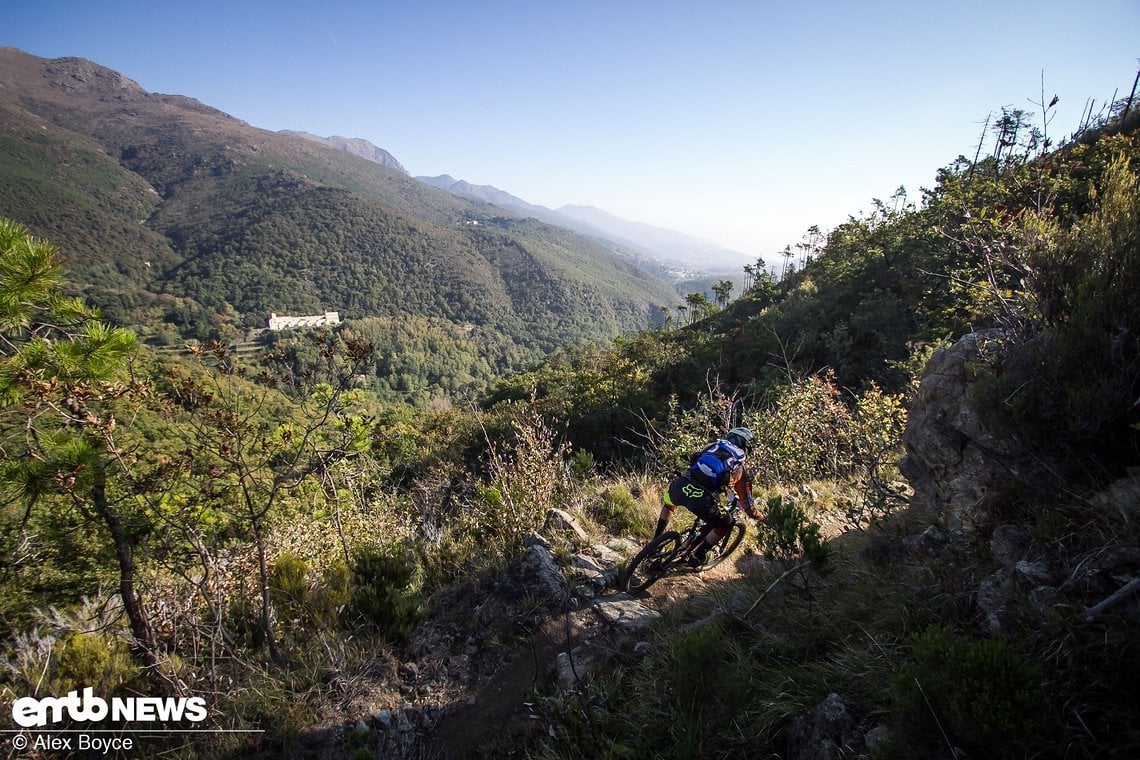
[[582, 464], [697, 685], [809, 432], [787, 534], [805, 433], [448, 558], [621, 513], [690, 429], [877, 428], [1068, 374], [91, 660], [289, 585], [332, 593], [981, 694], [383, 593], [526, 475]]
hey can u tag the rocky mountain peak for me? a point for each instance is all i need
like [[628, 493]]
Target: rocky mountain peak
[[80, 74], [354, 146]]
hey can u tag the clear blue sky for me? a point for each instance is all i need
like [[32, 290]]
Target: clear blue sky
[[742, 122]]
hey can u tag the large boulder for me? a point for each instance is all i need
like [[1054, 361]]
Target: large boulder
[[1121, 497], [536, 575], [1008, 544], [562, 521], [959, 453], [625, 613], [826, 732]]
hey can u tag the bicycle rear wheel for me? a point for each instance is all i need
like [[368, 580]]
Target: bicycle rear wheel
[[725, 546], [650, 563]]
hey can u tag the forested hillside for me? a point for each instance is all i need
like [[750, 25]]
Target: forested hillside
[[185, 223], [943, 397], [877, 295], [984, 605]]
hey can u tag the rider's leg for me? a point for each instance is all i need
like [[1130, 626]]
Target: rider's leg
[[711, 537], [681, 492], [717, 525], [667, 507]]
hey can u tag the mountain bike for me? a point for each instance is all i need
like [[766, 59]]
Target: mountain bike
[[669, 553]]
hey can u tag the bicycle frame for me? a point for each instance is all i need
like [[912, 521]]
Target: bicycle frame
[[691, 537], [670, 551]]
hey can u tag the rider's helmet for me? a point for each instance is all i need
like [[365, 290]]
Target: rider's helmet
[[741, 437]]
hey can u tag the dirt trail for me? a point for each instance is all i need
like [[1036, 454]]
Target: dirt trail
[[489, 711], [466, 729], [681, 586]]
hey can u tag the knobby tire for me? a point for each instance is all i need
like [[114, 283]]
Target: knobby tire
[[650, 564]]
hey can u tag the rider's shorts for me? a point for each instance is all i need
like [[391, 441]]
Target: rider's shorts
[[701, 501]]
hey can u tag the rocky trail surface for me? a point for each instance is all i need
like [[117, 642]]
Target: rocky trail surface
[[467, 679], [566, 648]]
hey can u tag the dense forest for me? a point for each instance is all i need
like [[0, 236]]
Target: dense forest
[[271, 531]]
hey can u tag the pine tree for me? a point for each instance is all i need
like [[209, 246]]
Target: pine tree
[[61, 373]]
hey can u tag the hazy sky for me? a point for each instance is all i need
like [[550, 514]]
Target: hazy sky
[[742, 122]]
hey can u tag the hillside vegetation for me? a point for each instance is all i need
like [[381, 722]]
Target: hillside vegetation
[[184, 223], [316, 559]]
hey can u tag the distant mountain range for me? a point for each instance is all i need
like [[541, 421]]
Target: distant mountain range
[[668, 244], [665, 249], [175, 216], [668, 248]]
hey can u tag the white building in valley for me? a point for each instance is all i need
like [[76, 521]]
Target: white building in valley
[[319, 320]]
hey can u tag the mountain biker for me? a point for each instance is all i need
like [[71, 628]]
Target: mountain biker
[[712, 471]]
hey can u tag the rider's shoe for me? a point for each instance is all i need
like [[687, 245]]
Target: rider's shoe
[[696, 560]]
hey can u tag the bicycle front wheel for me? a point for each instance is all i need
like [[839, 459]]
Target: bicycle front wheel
[[725, 546], [650, 563]]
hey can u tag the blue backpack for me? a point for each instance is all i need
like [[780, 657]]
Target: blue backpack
[[712, 467]]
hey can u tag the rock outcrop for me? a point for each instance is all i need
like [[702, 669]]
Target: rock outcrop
[[959, 455], [826, 732], [961, 458]]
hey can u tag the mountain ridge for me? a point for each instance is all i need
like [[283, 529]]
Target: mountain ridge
[[174, 213], [669, 249], [356, 146]]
